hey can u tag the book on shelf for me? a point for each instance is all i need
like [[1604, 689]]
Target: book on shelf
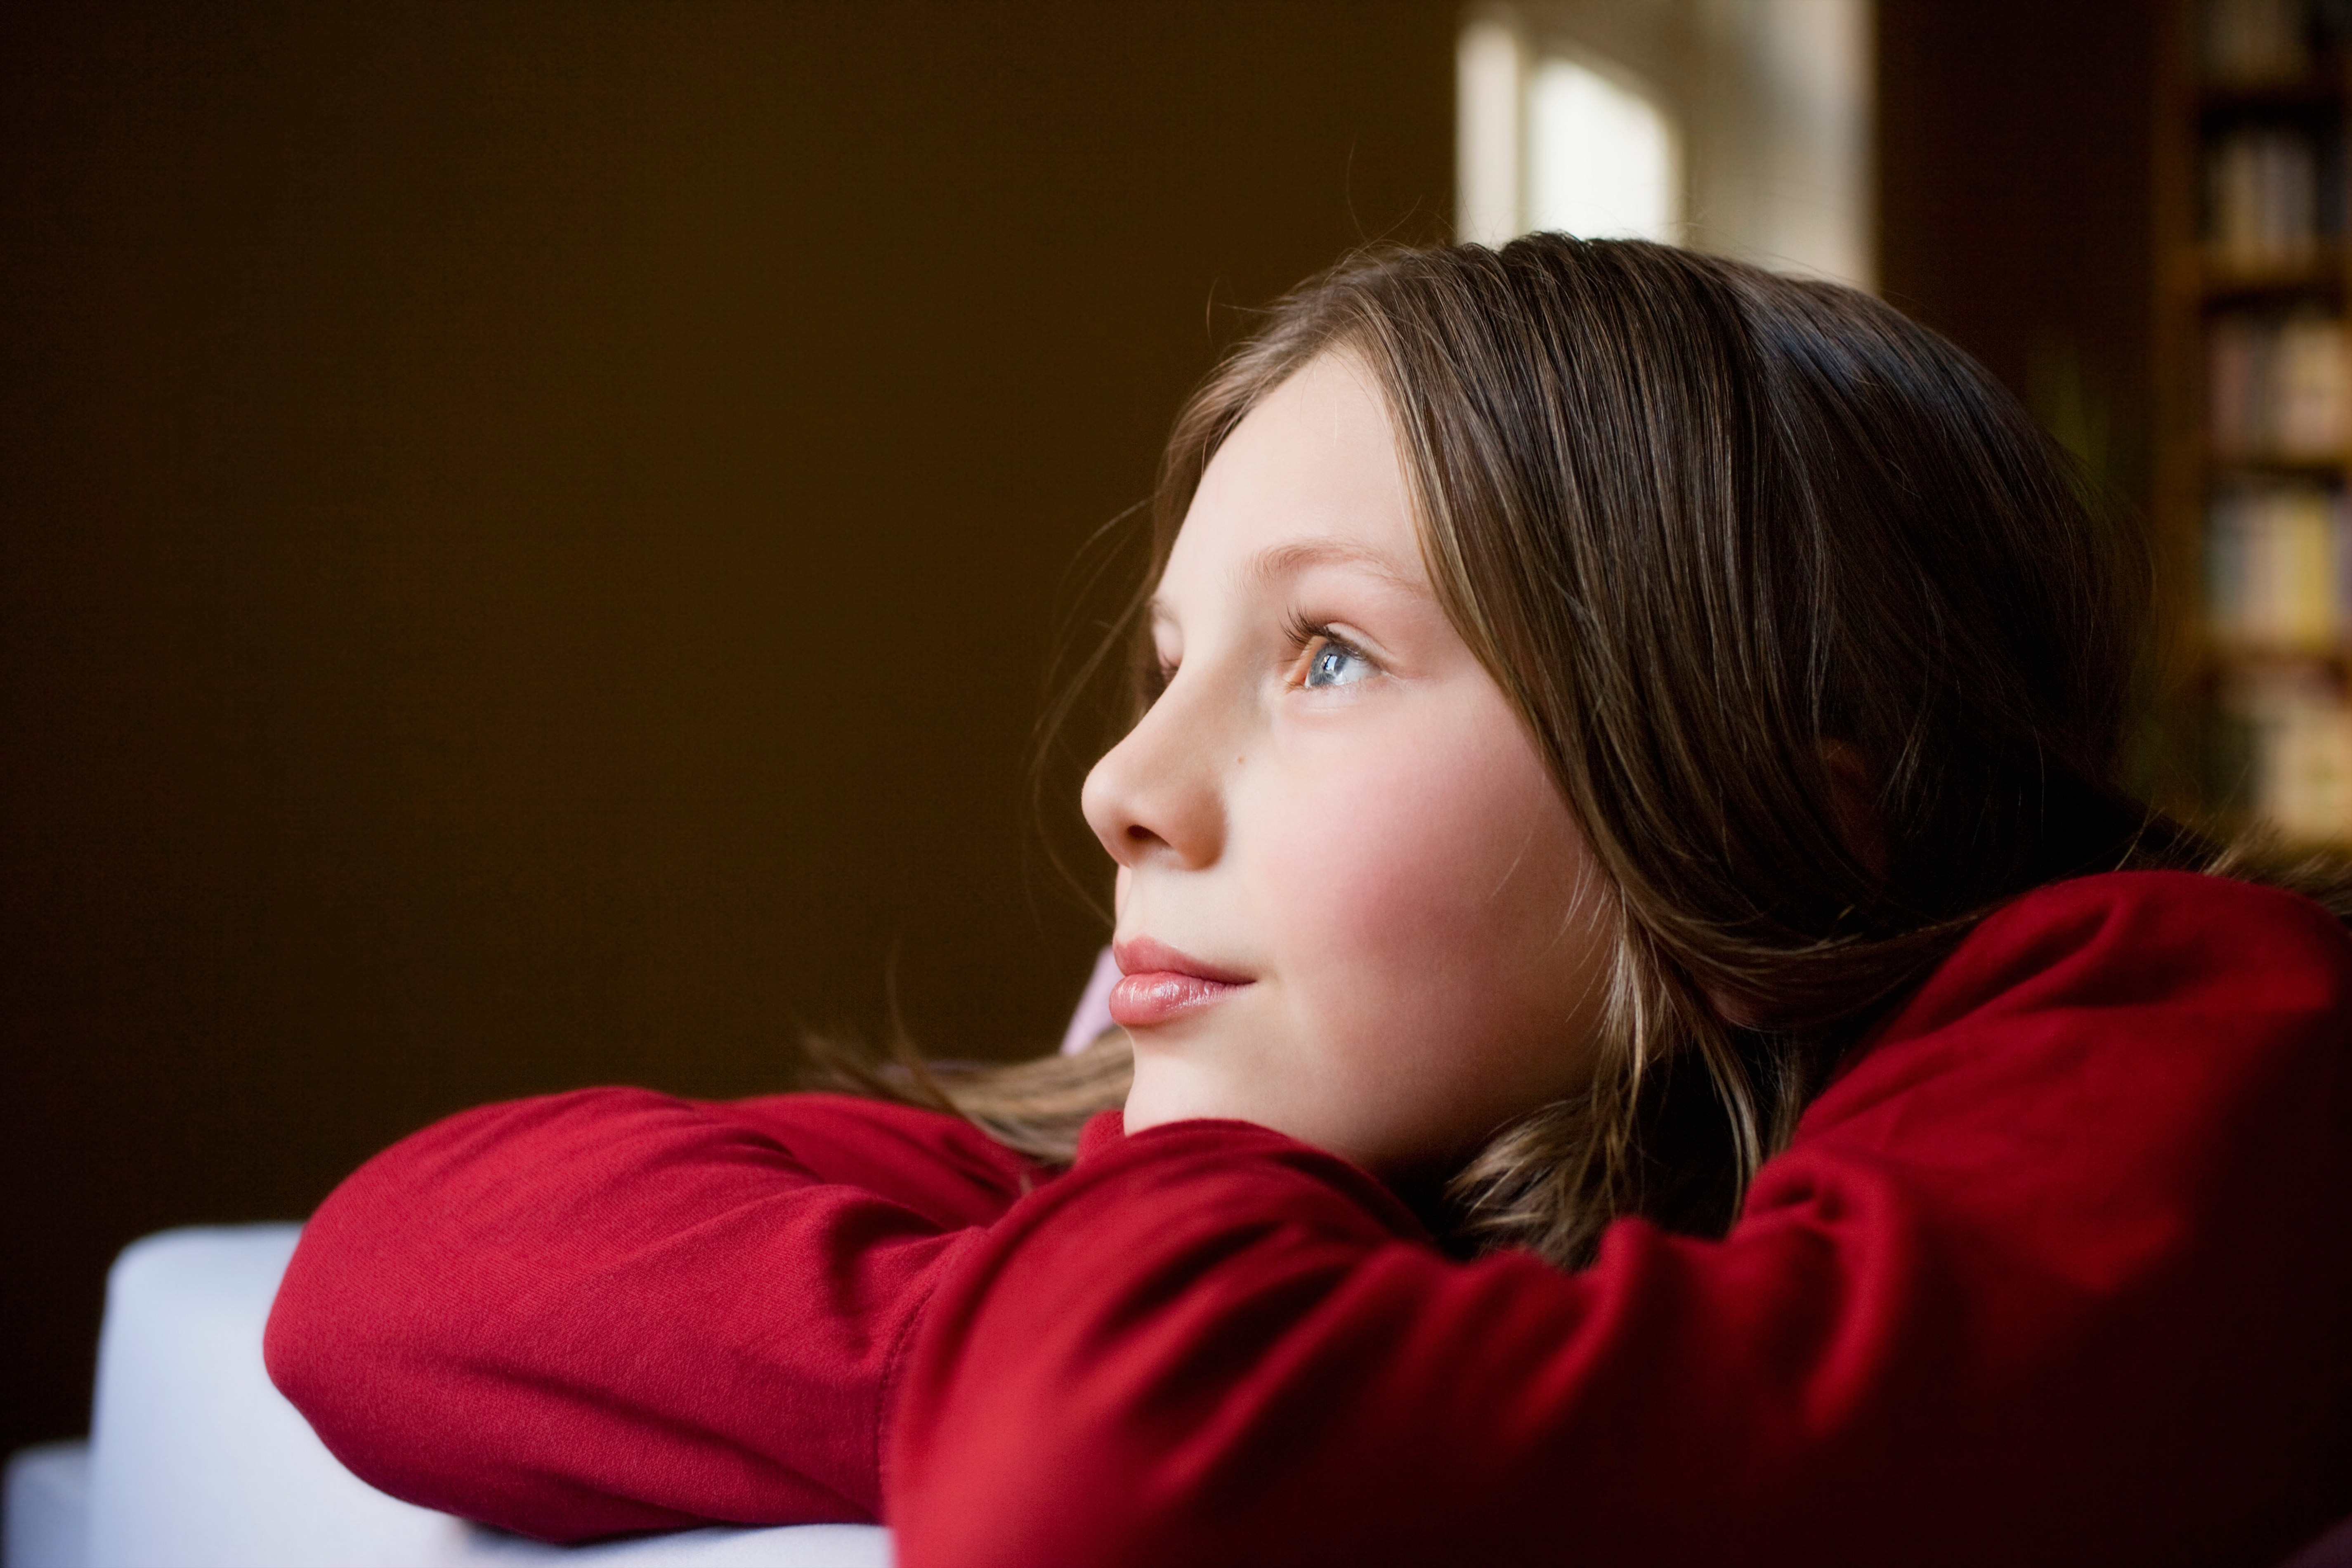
[[2293, 750], [2257, 42], [2279, 387], [2276, 566], [2269, 198]]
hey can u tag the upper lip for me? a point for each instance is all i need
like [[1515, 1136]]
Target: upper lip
[[1142, 955]]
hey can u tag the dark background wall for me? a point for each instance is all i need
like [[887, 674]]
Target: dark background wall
[[2025, 177], [530, 534], [529, 540], [2015, 196]]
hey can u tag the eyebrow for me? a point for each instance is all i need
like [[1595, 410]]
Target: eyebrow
[[1285, 559], [1268, 566]]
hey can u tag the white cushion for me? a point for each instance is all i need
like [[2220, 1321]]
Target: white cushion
[[197, 1461], [48, 1507]]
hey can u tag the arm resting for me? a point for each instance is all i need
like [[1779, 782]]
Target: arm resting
[[613, 1311]]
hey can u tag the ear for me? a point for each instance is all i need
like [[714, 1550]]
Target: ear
[[1730, 1008], [1854, 802]]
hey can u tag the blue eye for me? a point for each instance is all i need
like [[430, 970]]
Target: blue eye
[[1336, 664]]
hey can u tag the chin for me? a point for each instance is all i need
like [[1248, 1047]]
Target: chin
[[1148, 1108], [1168, 1090]]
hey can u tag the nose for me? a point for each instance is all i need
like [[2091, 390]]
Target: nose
[[1157, 797]]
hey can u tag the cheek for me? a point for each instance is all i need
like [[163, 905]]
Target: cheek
[[1433, 894]]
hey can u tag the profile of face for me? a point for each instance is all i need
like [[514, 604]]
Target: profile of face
[[1352, 905]]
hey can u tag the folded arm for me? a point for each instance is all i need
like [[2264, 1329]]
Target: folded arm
[[614, 1311]]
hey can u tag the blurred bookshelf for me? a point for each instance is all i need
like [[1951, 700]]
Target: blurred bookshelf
[[2255, 534]]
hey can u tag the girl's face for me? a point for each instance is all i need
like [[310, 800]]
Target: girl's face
[[1352, 906]]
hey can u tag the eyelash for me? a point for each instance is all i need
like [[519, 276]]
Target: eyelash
[[1302, 634], [1305, 634]]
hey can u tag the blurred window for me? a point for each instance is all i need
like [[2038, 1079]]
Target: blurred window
[[1551, 140], [1737, 126], [1601, 155]]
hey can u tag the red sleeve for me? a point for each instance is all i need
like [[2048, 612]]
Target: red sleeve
[[2057, 1273], [613, 1311]]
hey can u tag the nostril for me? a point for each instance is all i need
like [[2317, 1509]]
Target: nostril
[[1141, 839]]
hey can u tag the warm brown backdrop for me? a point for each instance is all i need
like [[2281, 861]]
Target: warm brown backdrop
[[2015, 146], [529, 534], [532, 536]]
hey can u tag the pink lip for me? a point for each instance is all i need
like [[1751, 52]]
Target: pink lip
[[1159, 984]]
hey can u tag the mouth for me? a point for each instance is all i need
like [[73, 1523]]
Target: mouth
[[1159, 984]]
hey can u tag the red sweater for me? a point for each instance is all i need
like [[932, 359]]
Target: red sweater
[[2060, 1270]]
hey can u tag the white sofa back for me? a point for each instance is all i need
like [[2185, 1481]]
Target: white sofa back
[[197, 1460]]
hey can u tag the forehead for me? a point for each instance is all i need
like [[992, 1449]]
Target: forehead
[[1311, 475]]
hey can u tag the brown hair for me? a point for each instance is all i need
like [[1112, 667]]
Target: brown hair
[[1721, 536]]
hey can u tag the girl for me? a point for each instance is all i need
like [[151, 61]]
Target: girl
[[1656, 1038]]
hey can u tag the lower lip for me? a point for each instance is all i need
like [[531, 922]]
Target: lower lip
[[1158, 996]]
